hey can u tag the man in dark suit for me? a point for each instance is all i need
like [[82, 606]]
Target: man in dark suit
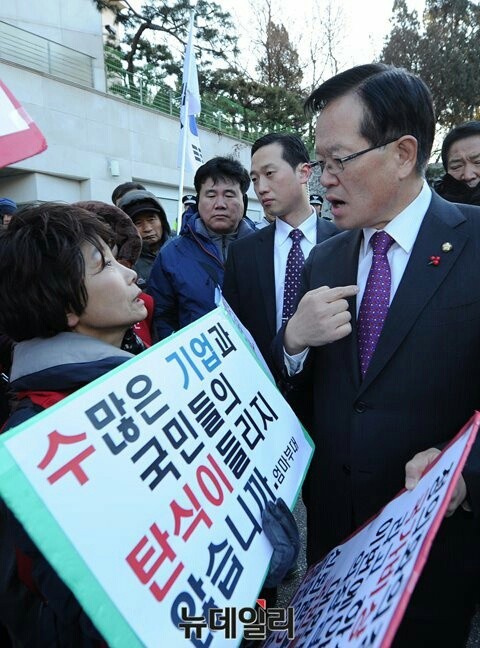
[[256, 266], [255, 271], [391, 389]]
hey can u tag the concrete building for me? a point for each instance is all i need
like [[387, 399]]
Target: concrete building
[[52, 59]]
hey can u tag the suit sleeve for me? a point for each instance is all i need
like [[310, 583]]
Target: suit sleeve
[[230, 288], [161, 287], [325, 230]]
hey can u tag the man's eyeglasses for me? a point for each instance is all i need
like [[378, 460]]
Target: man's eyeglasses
[[335, 165]]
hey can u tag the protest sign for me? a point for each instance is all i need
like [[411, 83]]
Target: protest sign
[[145, 489], [357, 594], [20, 138], [246, 334]]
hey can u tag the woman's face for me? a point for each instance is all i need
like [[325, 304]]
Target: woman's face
[[113, 303]]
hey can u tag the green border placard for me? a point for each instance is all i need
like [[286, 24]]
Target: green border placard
[[40, 524]]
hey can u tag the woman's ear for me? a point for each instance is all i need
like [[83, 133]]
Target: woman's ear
[[72, 320]]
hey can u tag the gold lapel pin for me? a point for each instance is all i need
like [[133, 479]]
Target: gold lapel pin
[[447, 247]]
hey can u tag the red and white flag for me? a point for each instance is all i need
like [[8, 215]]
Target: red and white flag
[[20, 137]]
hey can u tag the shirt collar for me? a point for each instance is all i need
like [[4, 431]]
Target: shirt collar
[[404, 227], [308, 227]]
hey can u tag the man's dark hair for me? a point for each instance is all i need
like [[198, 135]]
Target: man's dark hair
[[42, 269], [459, 132], [294, 150], [121, 189], [395, 101], [224, 169]]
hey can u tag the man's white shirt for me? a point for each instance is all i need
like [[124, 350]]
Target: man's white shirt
[[281, 248]]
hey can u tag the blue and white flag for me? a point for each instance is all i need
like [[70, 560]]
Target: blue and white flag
[[190, 107]]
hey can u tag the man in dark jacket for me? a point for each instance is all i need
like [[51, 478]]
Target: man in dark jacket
[[188, 272], [461, 160], [150, 219]]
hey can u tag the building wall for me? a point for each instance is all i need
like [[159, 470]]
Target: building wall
[[92, 135], [73, 23]]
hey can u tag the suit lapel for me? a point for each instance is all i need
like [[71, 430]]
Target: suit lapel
[[345, 274], [266, 275], [420, 280], [320, 238]]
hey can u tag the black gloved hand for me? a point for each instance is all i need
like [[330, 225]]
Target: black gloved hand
[[281, 529]]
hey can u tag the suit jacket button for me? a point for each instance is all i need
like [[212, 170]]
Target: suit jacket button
[[347, 469], [360, 407]]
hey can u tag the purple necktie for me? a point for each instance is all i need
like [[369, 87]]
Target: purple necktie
[[374, 306], [293, 270]]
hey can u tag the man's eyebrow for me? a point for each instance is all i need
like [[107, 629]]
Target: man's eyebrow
[[332, 150], [263, 167]]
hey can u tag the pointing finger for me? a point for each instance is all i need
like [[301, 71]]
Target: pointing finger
[[341, 292]]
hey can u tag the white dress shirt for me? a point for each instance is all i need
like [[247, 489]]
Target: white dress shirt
[[404, 230], [281, 248]]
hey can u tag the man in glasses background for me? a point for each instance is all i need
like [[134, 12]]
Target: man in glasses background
[[387, 334]]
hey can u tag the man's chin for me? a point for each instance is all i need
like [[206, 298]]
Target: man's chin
[[223, 227]]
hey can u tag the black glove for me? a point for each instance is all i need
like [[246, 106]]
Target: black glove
[[282, 531]]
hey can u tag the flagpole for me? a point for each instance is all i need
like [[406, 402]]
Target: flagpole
[[182, 166], [186, 116]]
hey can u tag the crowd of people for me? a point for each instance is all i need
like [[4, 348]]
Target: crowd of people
[[374, 345]]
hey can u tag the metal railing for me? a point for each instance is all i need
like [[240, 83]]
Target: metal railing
[[147, 91], [37, 53], [20, 46]]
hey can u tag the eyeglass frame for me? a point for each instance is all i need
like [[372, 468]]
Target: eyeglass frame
[[347, 158]]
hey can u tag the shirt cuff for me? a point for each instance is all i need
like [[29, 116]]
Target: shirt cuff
[[294, 364]]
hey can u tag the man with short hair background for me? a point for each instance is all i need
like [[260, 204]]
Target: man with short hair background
[[255, 273], [387, 331], [188, 272]]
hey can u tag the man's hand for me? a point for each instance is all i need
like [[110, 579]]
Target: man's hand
[[417, 466], [322, 317]]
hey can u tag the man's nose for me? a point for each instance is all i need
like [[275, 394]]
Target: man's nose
[[220, 201], [470, 172], [328, 179], [262, 186]]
